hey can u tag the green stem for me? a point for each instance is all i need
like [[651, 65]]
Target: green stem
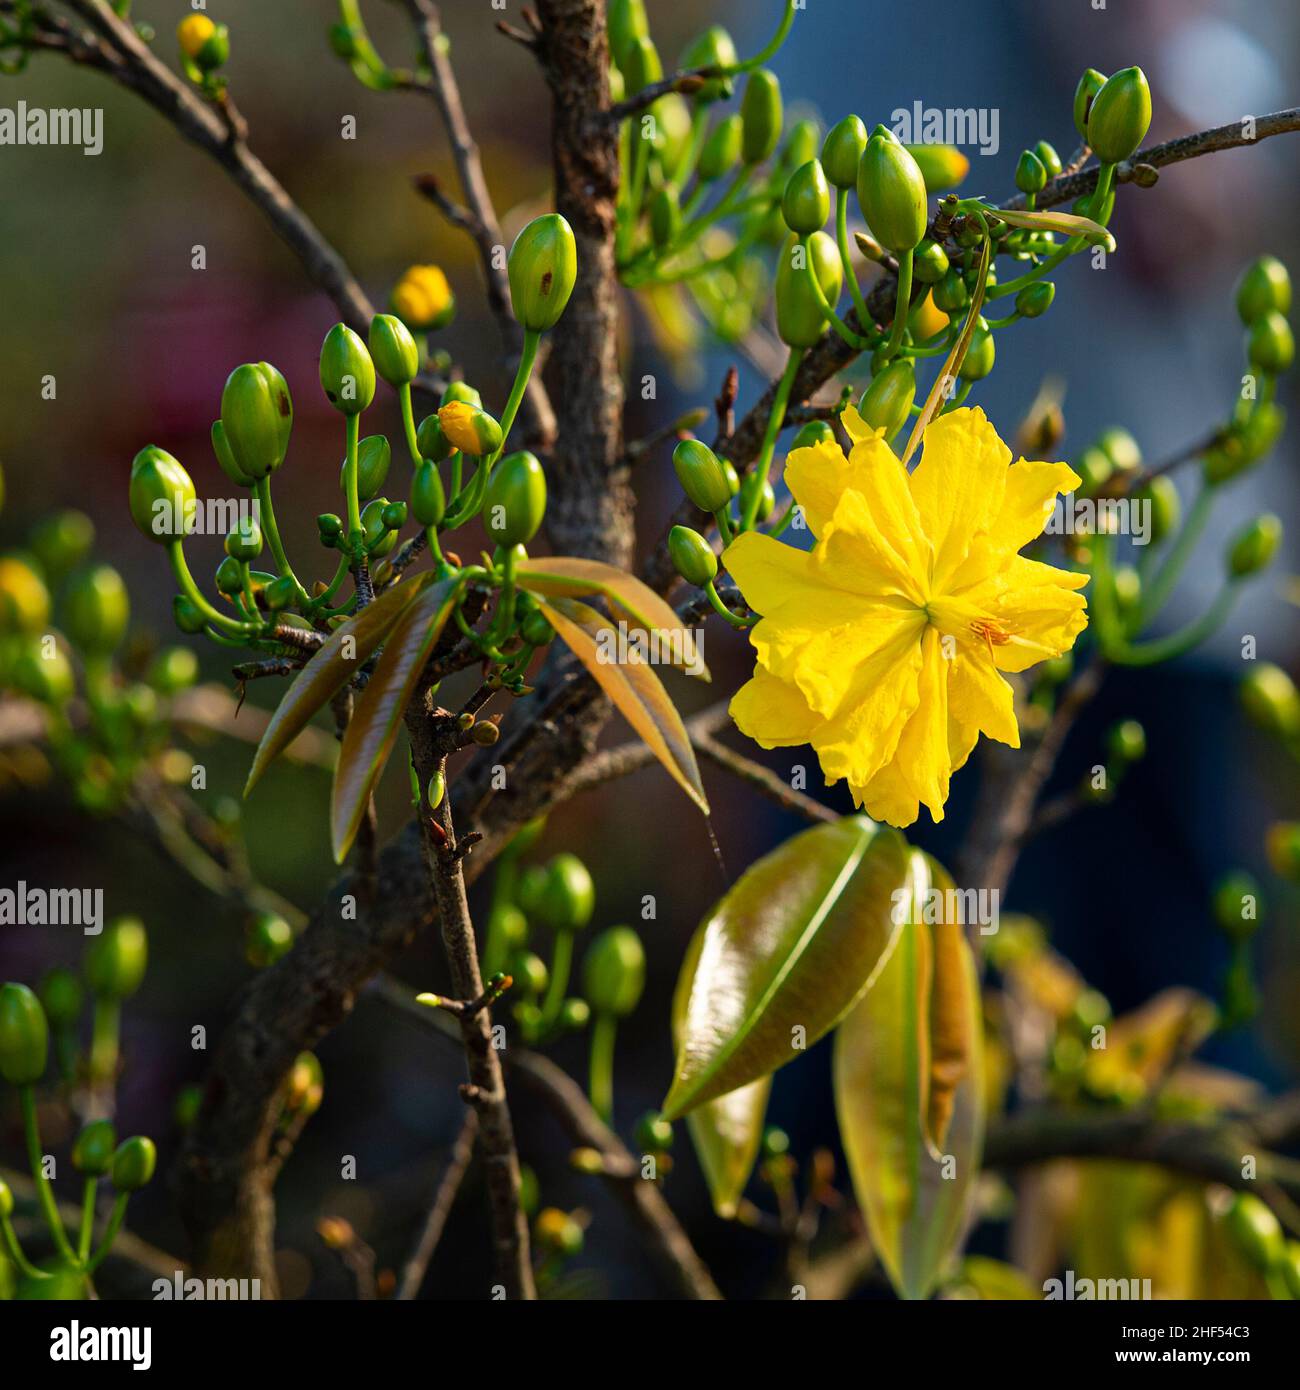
[[104, 1039], [902, 301], [1153, 600], [1184, 640], [600, 1082], [691, 155], [854, 340], [561, 964], [87, 1218], [777, 40], [774, 423], [715, 599], [36, 1160], [408, 422], [10, 1239], [115, 1219], [355, 531], [219, 620], [851, 275], [266, 515]]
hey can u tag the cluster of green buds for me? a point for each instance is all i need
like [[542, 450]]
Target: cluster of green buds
[[29, 1022], [106, 697], [204, 49], [458, 474]]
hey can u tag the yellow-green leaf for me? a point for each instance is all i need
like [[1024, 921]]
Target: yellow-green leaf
[[377, 716], [636, 691], [726, 1132], [566, 576], [954, 1022], [916, 1206], [785, 955], [330, 669], [1048, 220]]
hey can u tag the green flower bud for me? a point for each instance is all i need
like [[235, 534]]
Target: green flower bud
[[1262, 430], [61, 996], [24, 599], [760, 115], [161, 496], [557, 1233], [752, 483], [1270, 344], [431, 441], [567, 897], [133, 1164], [1290, 1267], [665, 216], [529, 972], [641, 65], [6, 1200], [174, 669], [1264, 287], [393, 350], [799, 317], [330, 527], [1031, 175], [24, 1035], [1256, 1231], [187, 615], [472, 430], [536, 630], [1121, 449], [776, 1142], [732, 477], [1166, 508], [1120, 115], [244, 542], [347, 375], [692, 556], [461, 391], [306, 1087], [1090, 84], [575, 1014], [1048, 158], [1254, 548], [653, 1134], [842, 151], [96, 609], [374, 456], [978, 362], [891, 193], [1035, 300], [885, 404], [929, 262], [256, 419], [44, 674], [543, 267], [942, 166], [801, 145], [1271, 700], [806, 203], [115, 962], [229, 577], [1237, 905], [395, 515], [62, 541], [280, 593], [269, 937], [221, 448], [515, 500], [379, 538], [1282, 845], [721, 152], [1095, 468], [711, 49], [701, 475], [613, 972], [1126, 742], [950, 294], [428, 500], [92, 1150], [814, 432], [626, 21]]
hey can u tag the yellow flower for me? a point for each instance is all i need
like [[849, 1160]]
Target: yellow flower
[[422, 298], [193, 32], [883, 645]]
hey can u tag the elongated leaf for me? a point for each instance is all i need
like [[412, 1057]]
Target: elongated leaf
[[953, 1020], [916, 1207], [378, 713], [330, 669], [726, 1133], [1070, 223], [634, 688], [565, 576], [786, 953]]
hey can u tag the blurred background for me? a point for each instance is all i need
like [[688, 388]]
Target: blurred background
[[98, 289]]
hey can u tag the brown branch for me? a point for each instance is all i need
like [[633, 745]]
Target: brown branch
[[443, 1200], [762, 778], [686, 83]]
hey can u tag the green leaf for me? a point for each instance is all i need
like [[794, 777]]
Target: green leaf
[[787, 952], [954, 1012], [377, 717], [634, 688], [565, 576], [330, 669], [916, 1207], [726, 1132], [1070, 223]]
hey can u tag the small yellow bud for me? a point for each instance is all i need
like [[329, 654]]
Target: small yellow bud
[[422, 298], [193, 32]]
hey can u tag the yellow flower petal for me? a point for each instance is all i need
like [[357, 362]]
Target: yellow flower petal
[[856, 427], [772, 712], [771, 574], [958, 486], [980, 701], [1031, 492], [817, 477], [1034, 607]]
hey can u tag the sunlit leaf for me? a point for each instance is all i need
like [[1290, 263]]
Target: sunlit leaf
[[1069, 223], [636, 691], [330, 669], [785, 955], [565, 576], [378, 714], [915, 1206], [725, 1132]]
